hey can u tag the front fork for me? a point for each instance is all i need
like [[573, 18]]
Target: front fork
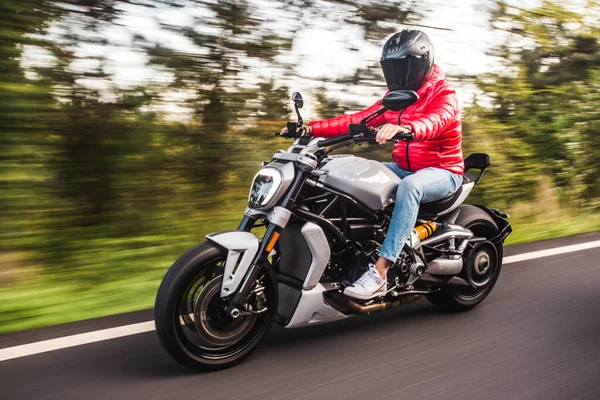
[[278, 220], [238, 299], [247, 223]]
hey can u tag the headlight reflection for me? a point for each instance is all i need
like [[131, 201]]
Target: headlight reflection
[[265, 185]]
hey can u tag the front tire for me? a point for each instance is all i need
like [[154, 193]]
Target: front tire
[[189, 317], [482, 264]]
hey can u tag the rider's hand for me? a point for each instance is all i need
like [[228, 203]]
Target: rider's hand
[[307, 129], [388, 131]]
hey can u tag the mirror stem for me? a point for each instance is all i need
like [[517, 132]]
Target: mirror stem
[[376, 114], [300, 121]]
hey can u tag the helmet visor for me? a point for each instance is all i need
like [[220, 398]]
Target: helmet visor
[[404, 73]]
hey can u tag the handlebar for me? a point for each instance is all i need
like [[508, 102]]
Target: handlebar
[[359, 133], [335, 140], [404, 136]]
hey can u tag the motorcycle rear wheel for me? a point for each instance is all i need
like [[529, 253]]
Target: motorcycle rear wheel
[[482, 265], [189, 317]]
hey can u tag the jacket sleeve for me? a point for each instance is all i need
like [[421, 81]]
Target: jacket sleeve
[[339, 125], [440, 113]]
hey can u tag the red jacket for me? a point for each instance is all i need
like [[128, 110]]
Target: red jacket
[[434, 119]]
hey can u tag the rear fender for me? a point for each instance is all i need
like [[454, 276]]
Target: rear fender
[[241, 249], [496, 215], [503, 225]]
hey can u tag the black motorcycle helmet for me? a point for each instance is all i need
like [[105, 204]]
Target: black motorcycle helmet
[[407, 60]]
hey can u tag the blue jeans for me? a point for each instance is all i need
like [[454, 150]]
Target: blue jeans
[[425, 185]]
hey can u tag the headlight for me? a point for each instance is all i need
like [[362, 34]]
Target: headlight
[[266, 183]]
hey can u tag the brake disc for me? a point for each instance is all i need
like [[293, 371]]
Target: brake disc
[[212, 325]]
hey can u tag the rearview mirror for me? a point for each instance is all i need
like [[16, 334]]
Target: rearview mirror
[[297, 98], [399, 99]]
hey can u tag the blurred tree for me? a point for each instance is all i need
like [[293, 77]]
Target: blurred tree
[[25, 122], [92, 126], [224, 45], [273, 101], [328, 107], [542, 103]]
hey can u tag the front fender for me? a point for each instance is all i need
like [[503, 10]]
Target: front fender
[[241, 249]]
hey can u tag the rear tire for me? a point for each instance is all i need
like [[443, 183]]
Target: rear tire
[[486, 255], [189, 323]]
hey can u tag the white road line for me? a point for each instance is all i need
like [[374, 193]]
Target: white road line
[[10, 353], [74, 340], [550, 252]]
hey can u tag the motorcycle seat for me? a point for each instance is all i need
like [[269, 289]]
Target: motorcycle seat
[[436, 207], [433, 209], [478, 161]]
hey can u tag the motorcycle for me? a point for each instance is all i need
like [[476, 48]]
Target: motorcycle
[[325, 217]]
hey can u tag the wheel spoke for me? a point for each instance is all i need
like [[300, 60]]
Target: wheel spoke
[[204, 328]]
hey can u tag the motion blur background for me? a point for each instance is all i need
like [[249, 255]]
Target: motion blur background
[[131, 128]]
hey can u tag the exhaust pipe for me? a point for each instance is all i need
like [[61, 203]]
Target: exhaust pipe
[[444, 266], [348, 306], [454, 282]]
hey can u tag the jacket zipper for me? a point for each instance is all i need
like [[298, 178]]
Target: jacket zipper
[[407, 143]]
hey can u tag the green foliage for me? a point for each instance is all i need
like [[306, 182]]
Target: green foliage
[[543, 111], [328, 107]]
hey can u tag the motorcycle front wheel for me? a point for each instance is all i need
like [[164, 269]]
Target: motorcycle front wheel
[[189, 312]]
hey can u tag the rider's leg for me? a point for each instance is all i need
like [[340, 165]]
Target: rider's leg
[[397, 170], [426, 185]]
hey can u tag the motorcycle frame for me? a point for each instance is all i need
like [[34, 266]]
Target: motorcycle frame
[[312, 308]]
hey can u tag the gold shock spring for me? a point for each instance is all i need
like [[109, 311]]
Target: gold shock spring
[[425, 230]]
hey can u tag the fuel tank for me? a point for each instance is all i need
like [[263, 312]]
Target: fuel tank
[[368, 181]]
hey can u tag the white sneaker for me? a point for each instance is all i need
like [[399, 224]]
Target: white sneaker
[[368, 286]]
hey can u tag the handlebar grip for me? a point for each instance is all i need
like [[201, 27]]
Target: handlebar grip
[[405, 136], [371, 133], [285, 135]]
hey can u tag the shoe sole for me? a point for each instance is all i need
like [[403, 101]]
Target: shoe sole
[[366, 297]]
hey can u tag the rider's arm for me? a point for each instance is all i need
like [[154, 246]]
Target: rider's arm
[[441, 112], [339, 125]]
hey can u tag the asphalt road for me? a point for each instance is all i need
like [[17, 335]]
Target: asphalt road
[[536, 337]]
